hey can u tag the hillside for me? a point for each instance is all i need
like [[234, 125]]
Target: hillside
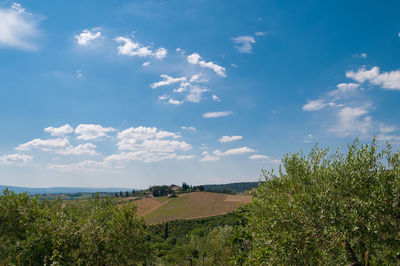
[[189, 206]]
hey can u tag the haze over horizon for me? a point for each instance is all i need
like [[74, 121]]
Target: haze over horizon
[[132, 94]]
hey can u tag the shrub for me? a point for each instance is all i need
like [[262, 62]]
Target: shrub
[[38, 233], [328, 209]]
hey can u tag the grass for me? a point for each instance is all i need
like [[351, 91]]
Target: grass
[[193, 205]]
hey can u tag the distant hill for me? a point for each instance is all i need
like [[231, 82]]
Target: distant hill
[[234, 187], [57, 190]]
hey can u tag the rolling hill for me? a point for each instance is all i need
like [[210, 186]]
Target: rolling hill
[[189, 206]]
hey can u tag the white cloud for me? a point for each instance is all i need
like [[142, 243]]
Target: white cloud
[[195, 78], [184, 157], [167, 81], [180, 89], [83, 149], [261, 33], [217, 114], [18, 28], [146, 64], [353, 121], [195, 60], [174, 102], [86, 37], [258, 157], [362, 55], [15, 159], [59, 146], [132, 48], [244, 44], [160, 53], [225, 139], [91, 131], [44, 144], [59, 131], [216, 98], [235, 151], [79, 74], [84, 166], [208, 157], [132, 135], [388, 138], [162, 97], [387, 80], [386, 129], [363, 75], [195, 94], [140, 155], [344, 88], [148, 144], [189, 128], [314, 105]]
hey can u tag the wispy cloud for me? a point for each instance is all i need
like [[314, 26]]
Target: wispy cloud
[[167, 81], [217, 114], [16, 158], [195, 60], [225, 139], [18, 28], [315, 105], [258, 157], [244, 44], [207, 157], [216, 98], [353, 121], [189, 128]]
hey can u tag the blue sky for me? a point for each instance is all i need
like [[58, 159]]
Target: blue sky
[[135, 93]]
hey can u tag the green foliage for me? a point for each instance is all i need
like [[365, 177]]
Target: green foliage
[[331, 210], [42, 232], [159, 191], [232, 188], [194, 241]]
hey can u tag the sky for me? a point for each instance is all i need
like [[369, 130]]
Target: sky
[[137, 93]]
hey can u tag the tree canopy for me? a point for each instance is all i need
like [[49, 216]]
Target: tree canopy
[[328, 209]]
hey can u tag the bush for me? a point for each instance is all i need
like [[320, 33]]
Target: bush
[[37, 233], [328, 209]]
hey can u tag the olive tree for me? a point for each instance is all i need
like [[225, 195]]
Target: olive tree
[[328, 209]]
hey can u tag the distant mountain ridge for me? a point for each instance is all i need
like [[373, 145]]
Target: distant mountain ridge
[[57, 190]]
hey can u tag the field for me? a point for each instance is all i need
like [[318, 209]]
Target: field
[[189, 206]]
